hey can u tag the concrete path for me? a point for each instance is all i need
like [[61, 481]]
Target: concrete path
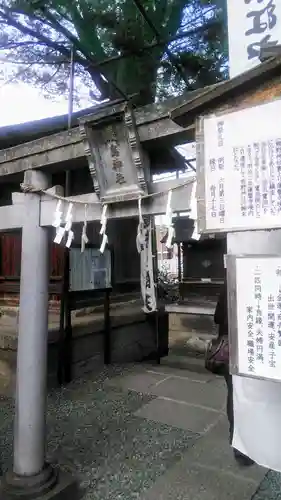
[[147, 433], [193, 402]]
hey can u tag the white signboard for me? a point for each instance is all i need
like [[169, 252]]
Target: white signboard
[[251, 24], [239, 173], [258, 309], [89, 270]]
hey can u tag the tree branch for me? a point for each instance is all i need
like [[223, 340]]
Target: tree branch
[[33, 63], [78, 46], [34, 34], [10, 80], [61, 29], [95, 75], [52, 77], [30, 15], [16, 45], [92, 64]]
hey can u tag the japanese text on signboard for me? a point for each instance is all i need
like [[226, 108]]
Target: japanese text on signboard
[[252, 24], [242, 170], [259, 316], [115, 154], [262, 19]]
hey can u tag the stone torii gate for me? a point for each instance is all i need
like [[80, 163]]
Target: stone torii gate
[[112, 143]]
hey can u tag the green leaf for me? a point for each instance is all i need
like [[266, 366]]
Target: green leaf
[[101, 30]]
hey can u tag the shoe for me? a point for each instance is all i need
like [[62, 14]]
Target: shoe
[[242, 459]]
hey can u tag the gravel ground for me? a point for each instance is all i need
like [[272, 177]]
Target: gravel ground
[[93, 432]]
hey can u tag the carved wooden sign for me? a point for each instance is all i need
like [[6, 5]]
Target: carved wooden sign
[[117, 163]]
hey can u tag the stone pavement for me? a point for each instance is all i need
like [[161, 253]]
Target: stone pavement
[[145, 432]]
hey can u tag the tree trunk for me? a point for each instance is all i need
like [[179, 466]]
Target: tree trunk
[[137, 78]]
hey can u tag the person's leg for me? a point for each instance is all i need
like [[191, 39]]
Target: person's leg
[[240, 457]]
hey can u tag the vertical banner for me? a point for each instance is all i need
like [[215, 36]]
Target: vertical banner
[[251, 25], [147, 272]]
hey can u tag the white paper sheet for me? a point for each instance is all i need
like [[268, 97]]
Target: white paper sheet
[[257, 416]]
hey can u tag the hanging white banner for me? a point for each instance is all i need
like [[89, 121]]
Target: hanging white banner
[[251, 24], [146, 259]]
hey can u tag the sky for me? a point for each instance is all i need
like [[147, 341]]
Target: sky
[[21, 103]]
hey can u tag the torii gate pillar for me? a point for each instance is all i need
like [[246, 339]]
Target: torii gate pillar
[[31, 476]]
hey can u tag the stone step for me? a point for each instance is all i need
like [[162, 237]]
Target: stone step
[[116, 300], [131, 342]]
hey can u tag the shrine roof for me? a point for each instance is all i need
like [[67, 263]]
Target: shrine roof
[[13, 135], [185, 113]]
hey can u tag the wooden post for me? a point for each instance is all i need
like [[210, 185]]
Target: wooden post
[[155, 274], [107, 328]]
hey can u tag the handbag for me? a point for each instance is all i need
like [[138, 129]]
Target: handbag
[[217, 355]]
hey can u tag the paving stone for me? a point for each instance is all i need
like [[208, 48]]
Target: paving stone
[[214, 450], [184, 374], [94, 432], [191, 392], [141, 382], [191, 482], [218, 382], [180, 415], [177, 360]]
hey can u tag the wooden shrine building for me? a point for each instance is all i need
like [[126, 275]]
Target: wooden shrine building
[[77, 163], [203, 260], [47, 144], [107, 160], [256, 86]]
